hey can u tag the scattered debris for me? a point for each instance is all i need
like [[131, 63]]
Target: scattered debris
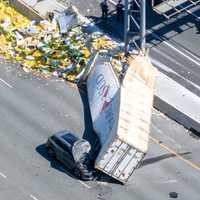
[[59, 48], [173, 195]]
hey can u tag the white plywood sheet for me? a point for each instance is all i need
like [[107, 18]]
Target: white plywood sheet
[[136, 102]]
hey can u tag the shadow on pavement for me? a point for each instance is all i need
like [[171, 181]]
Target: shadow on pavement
[[165, 29], [162, 157], [101, 177], [197, 23], [109, 26], [93, 139], [89, 134], [42, 150]]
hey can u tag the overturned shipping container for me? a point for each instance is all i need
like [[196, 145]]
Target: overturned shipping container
[[121, 114]]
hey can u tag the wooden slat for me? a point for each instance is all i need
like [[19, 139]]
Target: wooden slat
[[136, 103]]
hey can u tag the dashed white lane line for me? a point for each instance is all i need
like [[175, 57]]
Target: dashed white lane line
[[81, 182], [168, 181], [84, 184], [160, 65], [6, 83], [33, 197], [102, 183], [3, 175]]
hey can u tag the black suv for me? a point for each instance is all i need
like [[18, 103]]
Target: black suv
[[72, 152]]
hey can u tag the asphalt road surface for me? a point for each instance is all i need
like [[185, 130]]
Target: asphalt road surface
[[33, 108], [174, 44]]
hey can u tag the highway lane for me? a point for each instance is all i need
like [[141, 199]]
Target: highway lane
[[26, 122], [33, 108], [174, 44], [174, 48], [177, 67]]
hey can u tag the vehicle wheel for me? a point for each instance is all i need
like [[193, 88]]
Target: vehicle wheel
[[83, 174], [51, 152], [77, 172]]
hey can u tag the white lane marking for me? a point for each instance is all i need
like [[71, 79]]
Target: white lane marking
[[169, 181], [81, 182], [84, 184], [191, 54], [160, 65], [3, 81], [159, 51], [171, 46], [168, 44], [3, 175], [180, 52], [101, 183], [33, 197]]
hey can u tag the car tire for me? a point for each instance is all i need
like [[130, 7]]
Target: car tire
[[51, 152], [77, 173], [83, 176]]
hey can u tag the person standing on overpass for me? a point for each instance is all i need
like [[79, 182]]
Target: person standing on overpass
[[104, 9]]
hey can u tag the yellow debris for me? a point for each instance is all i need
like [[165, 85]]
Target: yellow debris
[[44, 49], [86, 52], [103, 43]]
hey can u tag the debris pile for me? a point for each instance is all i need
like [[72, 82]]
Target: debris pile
[[47, 47]]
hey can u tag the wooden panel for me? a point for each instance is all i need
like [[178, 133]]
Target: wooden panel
[[137, 93], [131, 167], [109, 154], [122, 165], [120, 160], [116, 159]]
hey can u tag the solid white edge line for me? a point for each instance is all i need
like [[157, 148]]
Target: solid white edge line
[[101, 183], [160, 65], [171, 46], [180, 52], [7, 84], [33, 197], [3, 175], [84, 184], [168, 44]]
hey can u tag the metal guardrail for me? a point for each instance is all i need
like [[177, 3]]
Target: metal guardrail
[[170, 8]]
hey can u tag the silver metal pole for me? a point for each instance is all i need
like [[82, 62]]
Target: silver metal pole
[[143, 26], [126, 26]]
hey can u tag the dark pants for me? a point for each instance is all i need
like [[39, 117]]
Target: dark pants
[[120, 15], [104, 13]]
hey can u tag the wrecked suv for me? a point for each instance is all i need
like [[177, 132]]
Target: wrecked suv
[[72, 152]]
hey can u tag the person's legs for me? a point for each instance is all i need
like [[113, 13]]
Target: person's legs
[[102, 13], [118, 13], [106, 14]]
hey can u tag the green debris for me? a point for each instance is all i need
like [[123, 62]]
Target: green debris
[[41, 47]]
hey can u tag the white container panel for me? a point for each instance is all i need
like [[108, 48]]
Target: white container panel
[[120, 169], [117, 156]]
